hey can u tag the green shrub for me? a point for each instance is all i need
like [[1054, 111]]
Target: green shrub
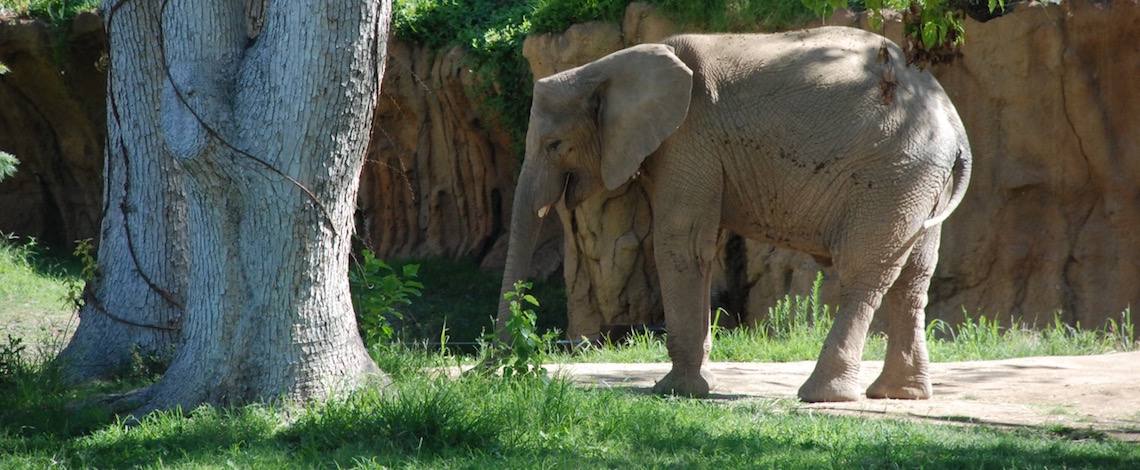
[[736, 15], [378, 292]]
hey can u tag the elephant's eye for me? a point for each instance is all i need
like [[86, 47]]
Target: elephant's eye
[[553, 146]]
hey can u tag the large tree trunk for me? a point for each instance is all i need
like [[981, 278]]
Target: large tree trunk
[[135, 306], [267, 109]]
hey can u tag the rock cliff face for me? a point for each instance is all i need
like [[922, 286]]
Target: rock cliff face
[[435, 182], [1049, 98], [439, 181], [53, 119]]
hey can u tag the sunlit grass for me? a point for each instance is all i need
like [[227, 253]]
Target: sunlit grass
[[796, 327], [427, 421], [33, 290]]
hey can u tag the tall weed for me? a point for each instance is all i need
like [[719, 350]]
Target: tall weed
[[525, 352], [378, 294]]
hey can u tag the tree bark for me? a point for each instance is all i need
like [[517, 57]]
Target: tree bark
[[267, 110], [135, 306]]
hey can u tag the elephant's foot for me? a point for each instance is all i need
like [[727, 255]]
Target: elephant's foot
[[689, 384], [843, 388], [910, 388]]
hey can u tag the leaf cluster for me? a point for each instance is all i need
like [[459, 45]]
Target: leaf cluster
[[378, 294], [52, 11], [8, 162]]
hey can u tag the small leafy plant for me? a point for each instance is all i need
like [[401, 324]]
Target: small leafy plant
[[378, 291], [527, 351], [84, 252], [8, 162]]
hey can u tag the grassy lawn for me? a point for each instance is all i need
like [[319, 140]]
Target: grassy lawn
[[34, 287], [425, 421], [490, 422]]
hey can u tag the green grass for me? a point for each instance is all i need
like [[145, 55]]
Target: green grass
[[979, 339], [477, 422], [459, 302], [973, 340], [796, 326], [34, 285], [428, 421]]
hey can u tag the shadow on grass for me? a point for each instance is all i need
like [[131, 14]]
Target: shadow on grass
[[513, 424]]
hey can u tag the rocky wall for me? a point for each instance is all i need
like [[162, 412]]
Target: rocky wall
[[53, 119], [440, 174]]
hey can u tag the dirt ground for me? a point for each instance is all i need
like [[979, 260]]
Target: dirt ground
[[1082, 394]]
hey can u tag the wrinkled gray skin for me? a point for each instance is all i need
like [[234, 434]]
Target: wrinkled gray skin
[[821, 141]]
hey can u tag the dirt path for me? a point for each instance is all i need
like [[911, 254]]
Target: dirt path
[[1082, 393]]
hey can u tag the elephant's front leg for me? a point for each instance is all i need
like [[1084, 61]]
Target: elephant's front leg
[[684, 261]]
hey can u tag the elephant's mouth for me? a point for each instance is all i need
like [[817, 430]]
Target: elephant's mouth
[[572, 193]]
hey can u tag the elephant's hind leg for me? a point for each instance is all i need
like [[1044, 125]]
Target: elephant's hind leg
[[906, 370], [836, 374]]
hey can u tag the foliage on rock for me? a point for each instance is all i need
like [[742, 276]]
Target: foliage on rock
[[52, 11], [493, 31]]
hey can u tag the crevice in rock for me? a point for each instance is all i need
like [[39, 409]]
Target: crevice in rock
[[1068, 293]]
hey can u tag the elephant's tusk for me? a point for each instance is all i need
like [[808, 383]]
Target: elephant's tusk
[[543, 211]]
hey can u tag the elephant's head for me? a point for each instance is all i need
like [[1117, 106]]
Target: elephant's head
[[592, 126]]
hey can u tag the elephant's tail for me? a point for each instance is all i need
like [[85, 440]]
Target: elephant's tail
[[961, 175]]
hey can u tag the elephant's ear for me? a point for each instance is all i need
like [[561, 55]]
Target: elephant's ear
[[644, 97]]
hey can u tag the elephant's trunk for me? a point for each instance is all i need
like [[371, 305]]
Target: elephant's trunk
[[537, 190]]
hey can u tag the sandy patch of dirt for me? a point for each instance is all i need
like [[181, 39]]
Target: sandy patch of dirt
[[1097, 394]]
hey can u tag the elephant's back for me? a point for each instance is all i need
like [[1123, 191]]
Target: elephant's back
[[825, 60], [807, 89]]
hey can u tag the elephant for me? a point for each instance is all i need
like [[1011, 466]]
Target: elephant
[[822, 141]]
